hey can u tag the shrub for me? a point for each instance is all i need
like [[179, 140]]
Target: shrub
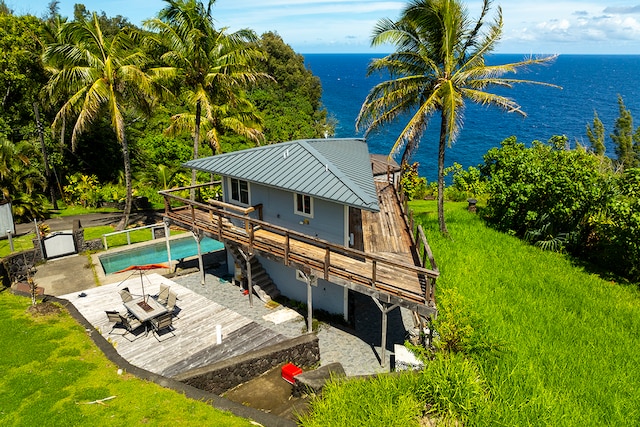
[[614, 241], [458, 329], [82, 189], [471, 182], [545, 190], [413, 185], [453, 389]]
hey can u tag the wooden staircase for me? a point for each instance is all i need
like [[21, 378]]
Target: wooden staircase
[[263, 286]]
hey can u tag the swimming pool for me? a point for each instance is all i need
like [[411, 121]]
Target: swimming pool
[[157, 253]]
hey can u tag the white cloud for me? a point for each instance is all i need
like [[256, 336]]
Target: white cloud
[[548, 26], [572, 27]]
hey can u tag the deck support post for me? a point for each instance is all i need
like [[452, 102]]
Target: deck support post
[[247, 258], [385, 308], [309, 306], [166, 239], [311, 281], [198, 236]]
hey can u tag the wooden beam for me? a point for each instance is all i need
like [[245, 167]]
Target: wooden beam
[[384, 309], [198, 236]]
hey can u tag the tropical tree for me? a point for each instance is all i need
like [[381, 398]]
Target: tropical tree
[[21, 179], [596, 135], [96, 75], [209, 68], [625, 140], [291, 104], [438, 64]]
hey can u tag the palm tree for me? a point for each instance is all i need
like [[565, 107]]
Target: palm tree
[[210, 68], [439, 63], [94, 75], [21, 180]]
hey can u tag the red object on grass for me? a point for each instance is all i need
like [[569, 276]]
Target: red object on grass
[[289, 371]]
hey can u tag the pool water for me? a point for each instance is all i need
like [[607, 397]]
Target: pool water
[[157, 253]]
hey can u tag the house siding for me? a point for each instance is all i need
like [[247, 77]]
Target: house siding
[[326, 296], [278, 209]]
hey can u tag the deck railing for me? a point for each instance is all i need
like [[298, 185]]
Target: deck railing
[[328, 259]]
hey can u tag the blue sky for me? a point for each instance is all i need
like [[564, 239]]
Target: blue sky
[[332, 26]]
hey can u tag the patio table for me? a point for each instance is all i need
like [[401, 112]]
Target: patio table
[[145, 308]]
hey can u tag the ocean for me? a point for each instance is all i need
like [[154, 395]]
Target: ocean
[[589, 83]]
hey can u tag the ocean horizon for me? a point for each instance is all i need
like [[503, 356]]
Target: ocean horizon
[[589, 83]]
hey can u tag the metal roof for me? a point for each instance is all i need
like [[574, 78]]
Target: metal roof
[[338, 170], [381, 164]]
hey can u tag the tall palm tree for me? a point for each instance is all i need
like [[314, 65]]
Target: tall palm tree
[[210, 67], [94, 75], [439, 63]]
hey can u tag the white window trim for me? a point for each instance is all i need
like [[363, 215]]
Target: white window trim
[[295, 205], [231, 199]]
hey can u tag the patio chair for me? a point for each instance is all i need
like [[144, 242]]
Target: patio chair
[[171, 302], [125, 295], [130, 324], [164, 321], [163, 295], [114, 317]]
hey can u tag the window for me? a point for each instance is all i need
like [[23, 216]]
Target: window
[[239, 191], [303, 204]]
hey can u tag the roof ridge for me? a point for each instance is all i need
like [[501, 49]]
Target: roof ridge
[[338, 173]]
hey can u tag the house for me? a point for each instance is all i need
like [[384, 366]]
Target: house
[[308, 219]]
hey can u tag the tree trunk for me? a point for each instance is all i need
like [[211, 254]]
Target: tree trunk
[[127, 180], [196, 144], [45, 158], [441, 147]]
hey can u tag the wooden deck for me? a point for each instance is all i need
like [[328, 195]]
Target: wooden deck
[[194, 344], [386, 232], [387, 268]]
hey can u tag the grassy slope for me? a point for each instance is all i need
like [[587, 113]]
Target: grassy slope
[[50, 368], [572, 339]]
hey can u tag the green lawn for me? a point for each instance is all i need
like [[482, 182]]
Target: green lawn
[[25, 242], [51, 369], [570, 339]]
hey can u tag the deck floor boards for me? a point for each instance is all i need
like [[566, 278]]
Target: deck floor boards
[[193, 343]]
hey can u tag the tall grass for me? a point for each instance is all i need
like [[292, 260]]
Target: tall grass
[[51, 370], [568, 342], [572, 339]]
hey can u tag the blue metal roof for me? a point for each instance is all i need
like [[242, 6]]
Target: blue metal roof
[[338, 170]]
